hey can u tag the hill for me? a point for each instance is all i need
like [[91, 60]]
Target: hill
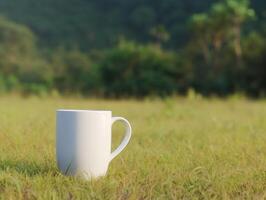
[[98, 24]]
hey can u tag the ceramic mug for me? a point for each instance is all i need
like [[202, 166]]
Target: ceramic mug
[[83, 142]]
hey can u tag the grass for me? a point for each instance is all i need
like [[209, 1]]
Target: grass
[[180, 149]]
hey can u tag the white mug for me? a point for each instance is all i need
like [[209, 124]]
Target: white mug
[[83, 142]]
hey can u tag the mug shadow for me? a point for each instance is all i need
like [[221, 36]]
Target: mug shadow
[[26, 168]]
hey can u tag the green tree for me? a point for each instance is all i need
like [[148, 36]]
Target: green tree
[[222, 25], [254, 73], [216, 38], [199, 24], [73, 71], [160, 35], [17, 46], [234, 13], [19, 58], [131, 69]]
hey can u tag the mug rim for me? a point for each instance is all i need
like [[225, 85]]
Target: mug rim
[[81, 110]]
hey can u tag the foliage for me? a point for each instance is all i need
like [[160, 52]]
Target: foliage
[[210, 47], [17, 47], [99, 24], [254, 51], [73, 71], [20, 62], [215, 47], [136, 70], [160, 35]]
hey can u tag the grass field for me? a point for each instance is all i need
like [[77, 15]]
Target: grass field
[[180, 149]]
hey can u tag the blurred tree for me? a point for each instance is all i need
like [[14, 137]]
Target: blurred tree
[[17, 46], [19, 59], [214, 58], [131, 69], [254, 73], [233, 14], [222, 25], [97, 24], [216, 37], [160, 35], [73, 71], [199, 24]]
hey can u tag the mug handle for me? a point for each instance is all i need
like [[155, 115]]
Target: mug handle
[[125, 139]]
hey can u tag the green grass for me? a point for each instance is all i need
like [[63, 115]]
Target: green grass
[[181, 148]]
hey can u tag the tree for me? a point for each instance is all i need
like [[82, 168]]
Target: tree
[[160, 35], [19, 58], [221, 25], [254, 73], [234, 13], [199, 24], [132, 69], [217, 38], [73, 71], [17, 47]]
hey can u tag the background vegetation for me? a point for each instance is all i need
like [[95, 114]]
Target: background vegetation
[[123, 48]]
